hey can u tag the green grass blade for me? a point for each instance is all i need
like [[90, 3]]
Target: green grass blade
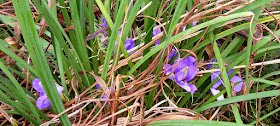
[[16, 58], [17, 108], [79, 46], [249, 44], [225, 78], [266, 116], [238, 99]]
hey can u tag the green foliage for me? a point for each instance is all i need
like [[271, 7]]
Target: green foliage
[[62, 56]]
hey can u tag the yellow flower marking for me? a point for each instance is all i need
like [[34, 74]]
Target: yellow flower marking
[[186, 69]]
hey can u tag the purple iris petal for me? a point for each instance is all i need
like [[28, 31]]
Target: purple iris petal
[[236, 79], [187, 62], [42, 93], [97, 86], [155, 33], [213, 77], [102, 38], [104, 96], [38, 85], [194, 23], [119, 33], [179, 77], [228, 73], [190, 60], [193, 88], [180, 65], [215, 92], [191, 73], [59, 88], [43, 102], [169, 70], [129, 44], [184, 28], [104, 22], [209, 65], [172, 54], [188, 87]]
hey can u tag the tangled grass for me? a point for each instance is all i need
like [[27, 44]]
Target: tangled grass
[[66, 43]]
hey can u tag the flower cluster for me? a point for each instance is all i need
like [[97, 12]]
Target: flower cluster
[[234, 79], [43, 101], [128, 44], [183, 71]]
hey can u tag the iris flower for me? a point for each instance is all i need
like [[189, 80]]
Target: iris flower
[[235, 79], [193, 24], [43, 101], [183, 73], [128, 44], [155, 33], [173, 51], [104, 96]]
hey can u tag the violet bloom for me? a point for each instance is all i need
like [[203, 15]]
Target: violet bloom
[[155, 33], [128, 44], [104, 22], [172, 54], [193, 24], [209, 65], [105, 33], [173, 51], [43, 101], [234, 79], [183, 73], [104, 96]]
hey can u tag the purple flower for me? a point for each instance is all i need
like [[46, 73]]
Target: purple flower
[[193, 24], [234, 79], [43, 101], [128, 44], [104, 25], [172, 54], [184, 72], [173, 51], [155, 33], [209, 65], [104, 22], [104, 96]]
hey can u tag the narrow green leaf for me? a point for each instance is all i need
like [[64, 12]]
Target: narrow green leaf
[[238, 99]]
